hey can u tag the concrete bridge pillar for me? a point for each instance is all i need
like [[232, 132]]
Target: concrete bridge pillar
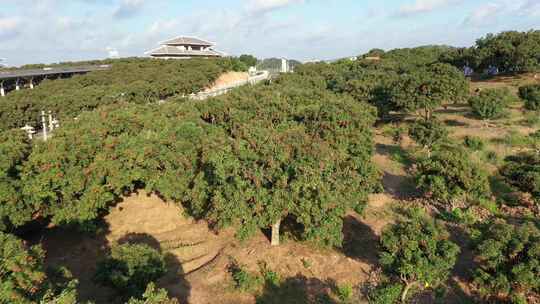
[[17, 86], [2, 91], [31, 83]]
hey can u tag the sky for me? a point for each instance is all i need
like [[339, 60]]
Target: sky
[[45, 31]]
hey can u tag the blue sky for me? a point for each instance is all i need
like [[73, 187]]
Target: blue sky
[[33, 31]]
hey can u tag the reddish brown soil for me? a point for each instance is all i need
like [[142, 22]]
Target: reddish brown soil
[[198, 258]]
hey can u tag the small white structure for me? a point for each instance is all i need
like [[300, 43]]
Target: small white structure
[[252, 71], [30, 131], [285, 66]]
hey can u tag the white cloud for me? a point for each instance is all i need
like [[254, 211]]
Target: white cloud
[[9, 27], [112, 52], [485, 14], [264, 6], [531, 7], [424, 6], [128, 8]]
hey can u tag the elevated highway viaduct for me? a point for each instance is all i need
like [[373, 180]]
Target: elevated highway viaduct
[[17, 79]]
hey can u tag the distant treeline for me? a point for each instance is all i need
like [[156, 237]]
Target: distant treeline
[[508, 52], [133, 80]]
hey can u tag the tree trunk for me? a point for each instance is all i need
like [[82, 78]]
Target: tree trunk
[[408, 286], [275, 233]]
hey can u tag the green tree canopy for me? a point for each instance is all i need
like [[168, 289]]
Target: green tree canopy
[[417, 252], [509, 262], [490, 103], [449, 175], [424, 89]]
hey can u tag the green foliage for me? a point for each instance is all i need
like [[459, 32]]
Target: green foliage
[[523, 172], [408, 59], [428, 133], [152, 295], [474, 143], [130, 268], [371, 86], [424, 89], [449, 175], [243, 279], [297, 151], [129, 80], [509, 261], [491, 157], [344, 292], [14, 148], [459, 215], [248, 60], [510, 51], [417, 251], [108, 153], [531, 95], [23, 279], [22, 275], [491, 103], [532, 119], [269, 276], [388, 293]]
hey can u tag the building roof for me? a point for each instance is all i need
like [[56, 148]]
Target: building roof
[[183, 40], [167, 50]]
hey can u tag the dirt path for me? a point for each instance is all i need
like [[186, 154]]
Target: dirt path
[[228, 79]]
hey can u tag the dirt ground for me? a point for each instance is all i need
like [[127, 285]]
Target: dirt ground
[[228, 79], [198, 258]]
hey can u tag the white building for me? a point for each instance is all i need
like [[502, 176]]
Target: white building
[[185, 47]]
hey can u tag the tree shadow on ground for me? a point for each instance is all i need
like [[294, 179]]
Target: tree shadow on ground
[[395, 153], [359, 241], [298, 290], [399, 187], [78, 252], [455, 123], [175, 275], [462, 271]]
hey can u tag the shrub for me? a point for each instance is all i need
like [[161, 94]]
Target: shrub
[[418, 252], [449, 175], [490, 103], [243, 279], [152, 295], [269, 276], [14, 150], [22, 275], [492, 157], [23, 279], [130, 268], [344, 292], [474, 143], [509, 261], [523, 172], [428, 133], [388, 293], [531, 95]]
